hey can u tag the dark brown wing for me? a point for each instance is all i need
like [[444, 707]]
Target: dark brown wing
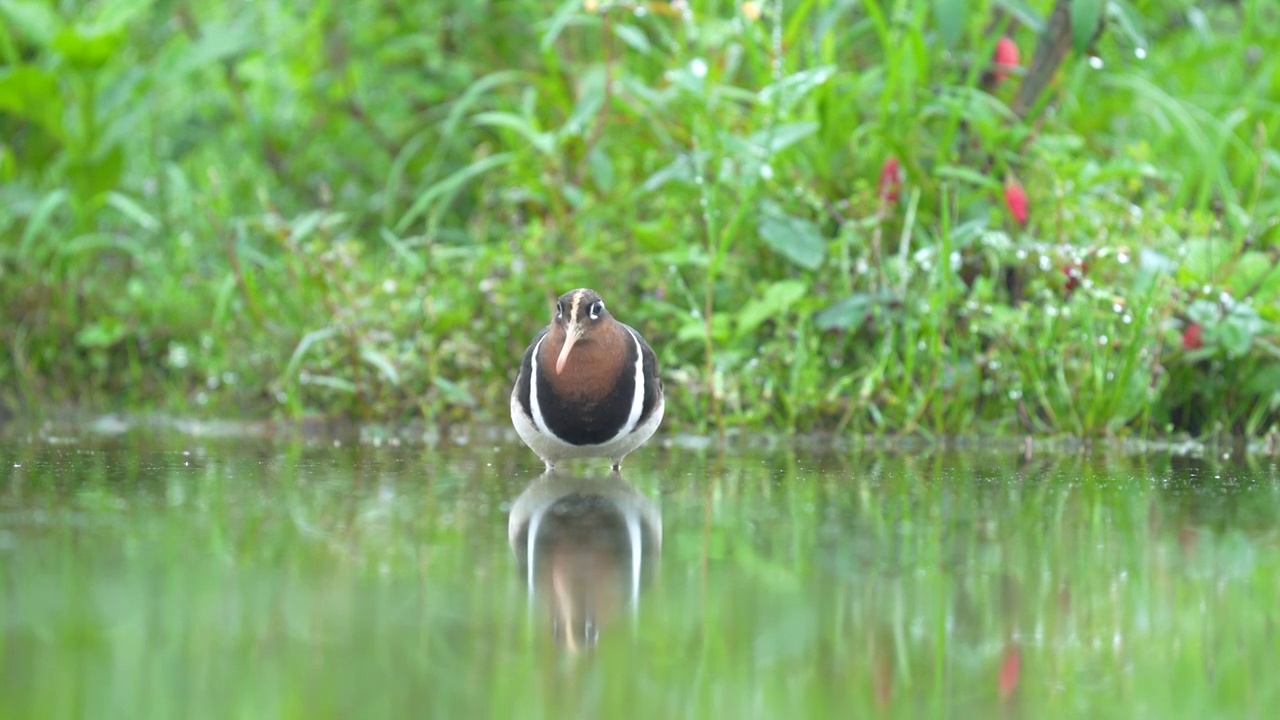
[[526, 373], [652, 376]]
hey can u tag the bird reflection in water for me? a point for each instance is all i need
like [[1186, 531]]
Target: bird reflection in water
[[585, 547]]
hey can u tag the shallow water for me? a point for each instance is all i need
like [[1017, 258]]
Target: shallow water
[[152, 573]]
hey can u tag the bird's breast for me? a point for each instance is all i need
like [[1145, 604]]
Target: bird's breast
[[592, 399]]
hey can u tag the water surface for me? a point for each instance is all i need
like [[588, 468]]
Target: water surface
[[152, 573]]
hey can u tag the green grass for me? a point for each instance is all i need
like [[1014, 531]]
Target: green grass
[[158, 575], [363, 210]]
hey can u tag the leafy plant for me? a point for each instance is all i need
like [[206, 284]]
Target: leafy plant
[[933, 218]]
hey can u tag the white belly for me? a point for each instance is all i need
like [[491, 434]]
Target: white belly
[[552, 449]]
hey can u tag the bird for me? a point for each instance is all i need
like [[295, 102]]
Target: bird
[[588, 385]]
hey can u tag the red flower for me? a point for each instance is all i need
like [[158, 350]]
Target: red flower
[[1006, 58], [890, 180], [1010, 670], [1015, 198], [1193, 337]]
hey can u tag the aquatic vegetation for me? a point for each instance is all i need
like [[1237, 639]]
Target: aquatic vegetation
[[867, 217]]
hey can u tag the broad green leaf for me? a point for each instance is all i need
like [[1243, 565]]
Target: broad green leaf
[[1204, 312], [679, 170], [1154, 261], [695, 329], [851, 312], [1247, 317], [1265, 381], [1201, 258], [634, 37], [780, 137], [304, 225], [776, 301], [217, 42], [968, 176], [1236, 330], [601, 167], [573, 195], [691, 78], [541, 141], [796, 239], [34, 20], [117, 14], [382, 363], [31, 92], [93, 176], [1085, 16], [89, 48], [453, 392], [1233, 339], [133, 211], [1258, 273], [590, 100], [102, 333], [1026, 15], [950, 16], [791, 89], [1151, 265], [691, 329]]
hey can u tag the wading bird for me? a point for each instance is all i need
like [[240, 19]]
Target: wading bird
[[588, 385]]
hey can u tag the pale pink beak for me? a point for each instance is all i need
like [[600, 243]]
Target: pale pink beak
[[572, 333]]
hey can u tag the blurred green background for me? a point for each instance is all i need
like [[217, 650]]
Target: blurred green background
[[824, 215]]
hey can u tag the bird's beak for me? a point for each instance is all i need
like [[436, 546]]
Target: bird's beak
[[572, 333]]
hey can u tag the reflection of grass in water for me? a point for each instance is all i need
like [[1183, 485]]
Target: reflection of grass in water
[[298, 581]]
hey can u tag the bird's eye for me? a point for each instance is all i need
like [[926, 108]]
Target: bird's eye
[[597, 309], [559, 309]]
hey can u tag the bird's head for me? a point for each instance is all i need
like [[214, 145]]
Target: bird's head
[[578, 314]]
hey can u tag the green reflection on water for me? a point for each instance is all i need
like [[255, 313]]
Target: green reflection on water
[[157, 575]]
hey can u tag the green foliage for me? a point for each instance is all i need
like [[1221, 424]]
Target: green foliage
[[364, 208], [1085, 17]]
